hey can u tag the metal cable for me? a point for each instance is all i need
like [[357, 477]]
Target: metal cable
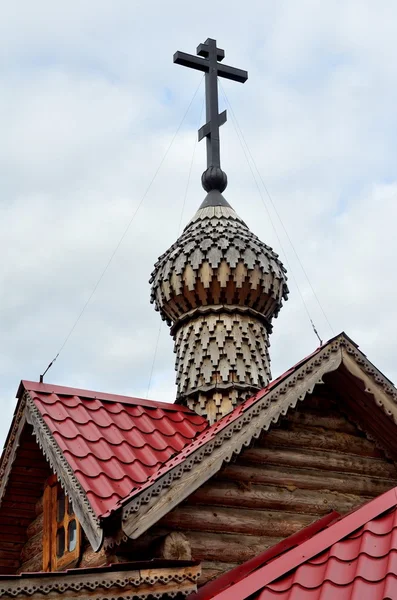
[[271, 222], [179, 233], [124, 233], [277, 213]]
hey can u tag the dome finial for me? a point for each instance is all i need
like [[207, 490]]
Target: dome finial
[[214, 178]]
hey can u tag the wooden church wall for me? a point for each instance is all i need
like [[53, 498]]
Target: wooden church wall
[[18, 507], [314, 461], [31, 556]]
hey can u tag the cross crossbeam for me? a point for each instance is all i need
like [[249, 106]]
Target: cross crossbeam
[[209, 61]]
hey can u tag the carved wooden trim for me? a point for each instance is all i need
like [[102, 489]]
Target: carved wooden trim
[[65, 473], [11, 446], [106, 583], [146, 509]]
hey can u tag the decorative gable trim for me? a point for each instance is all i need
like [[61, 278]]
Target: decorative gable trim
[[11, 446], [206, 459], [153, 503], [65, 474], [129, 581]]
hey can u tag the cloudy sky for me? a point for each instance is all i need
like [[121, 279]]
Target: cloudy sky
[[90, 102]]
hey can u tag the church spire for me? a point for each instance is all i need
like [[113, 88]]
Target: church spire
[[213, 178], [218, 286]]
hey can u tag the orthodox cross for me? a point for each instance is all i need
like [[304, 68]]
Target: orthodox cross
[[210, 64]]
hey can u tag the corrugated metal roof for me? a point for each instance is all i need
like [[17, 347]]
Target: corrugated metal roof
[[114, 444], [354, 558], [362, 566]]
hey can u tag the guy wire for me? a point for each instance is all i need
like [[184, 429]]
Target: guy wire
[[276, 211], [179, 233], [124, 233], [270, 218]]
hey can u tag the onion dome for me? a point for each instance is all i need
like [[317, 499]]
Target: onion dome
[[219, 287]]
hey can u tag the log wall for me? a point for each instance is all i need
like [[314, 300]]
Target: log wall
[[31, 557], [314, 461]]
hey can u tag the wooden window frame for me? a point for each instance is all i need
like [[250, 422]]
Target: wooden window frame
[[51, 525]]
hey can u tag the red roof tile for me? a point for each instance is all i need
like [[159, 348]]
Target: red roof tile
[[114, 444], [145, 438], [354, 558]]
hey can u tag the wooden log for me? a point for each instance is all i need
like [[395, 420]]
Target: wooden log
[[90, 558], [330, 440], [39, 505], [35, 526], [9, 565], [15, 510], [275, 498], [32, 547], [306, 418], [12, 536], [33, 565], [212, 569], [231, 520], [174, 546], [315, 459], [305, 479], [227, 547]]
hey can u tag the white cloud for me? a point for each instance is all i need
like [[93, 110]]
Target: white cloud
[[90, 101]]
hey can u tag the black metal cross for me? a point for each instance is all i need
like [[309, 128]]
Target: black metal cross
[[212, 69]]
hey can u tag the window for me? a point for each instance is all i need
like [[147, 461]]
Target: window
[[61, 531]]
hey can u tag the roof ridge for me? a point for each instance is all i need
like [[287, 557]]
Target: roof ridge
[[49, 388]]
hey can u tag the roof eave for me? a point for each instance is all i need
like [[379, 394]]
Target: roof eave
[[58, 463], [156, 500], [143, 580]]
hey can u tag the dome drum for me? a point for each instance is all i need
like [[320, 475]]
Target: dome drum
[[219, 287]]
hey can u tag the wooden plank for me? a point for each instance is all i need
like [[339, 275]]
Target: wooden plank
[[274, 498], [316, 459]]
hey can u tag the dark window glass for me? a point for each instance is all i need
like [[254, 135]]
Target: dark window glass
[[72, 535], [60, 506], [70, 508], [60, 542]]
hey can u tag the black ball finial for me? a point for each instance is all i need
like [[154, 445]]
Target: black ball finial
[[214, 179]]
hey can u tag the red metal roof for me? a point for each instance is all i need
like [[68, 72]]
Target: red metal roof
[[114, 444], [354, 558], [209, 433], [118, 446]]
